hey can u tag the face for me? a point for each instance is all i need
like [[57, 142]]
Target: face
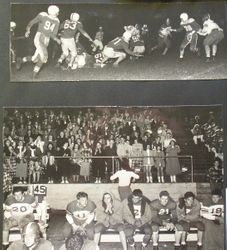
[[18, 196], [107, 198], [164, 200], [29, 239], [136, 199], [215, 198], [83, 202], [189, 201]]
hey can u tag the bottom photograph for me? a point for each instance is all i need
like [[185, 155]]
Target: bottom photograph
[[130, 178]]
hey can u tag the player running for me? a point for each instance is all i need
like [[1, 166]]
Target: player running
[[164, 35], [213, 36], [48, 25], [191, 37], [164, 215], [68, 30], [118, 48]]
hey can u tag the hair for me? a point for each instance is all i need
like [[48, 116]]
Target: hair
[[18, 189], [81, 195], [75, 241], [137, 192], [125, 164], [189, 195], [32, 227], [164, 193], [103, 202], [216, 192]]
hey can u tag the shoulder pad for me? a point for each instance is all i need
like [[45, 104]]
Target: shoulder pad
[[43, 14]]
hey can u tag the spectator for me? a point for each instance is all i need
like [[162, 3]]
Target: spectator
[[98, 164], [148, 162], [160, 163], [76, 162], [215, 175], [172, 161]]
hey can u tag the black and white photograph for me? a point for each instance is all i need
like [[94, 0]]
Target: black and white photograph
[[146, 41], [113, 177]]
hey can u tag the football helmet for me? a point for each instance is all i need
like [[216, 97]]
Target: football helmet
[[126, 36], [74, 17], [184, 16], [53, 10]]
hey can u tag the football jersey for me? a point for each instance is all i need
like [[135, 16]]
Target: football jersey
[[69, 28], [210, 209], [210, 25], [118, 44], [164, 213], [43, 244], [80, 215], [137, 211], [190, 25], [164, 31], [47, 25], [19, 209]]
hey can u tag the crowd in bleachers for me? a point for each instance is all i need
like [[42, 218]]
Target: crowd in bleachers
[[57, 145]]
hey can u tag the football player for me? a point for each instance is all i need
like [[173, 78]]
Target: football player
[[18, 209], [212, 210], [68, 30], [213, 36], [80, 216], [12, 49], [48, 25], [31, 239], [188, 213], [98, 40], [191, 37], [118, 48], [164, 35], [164, 214]]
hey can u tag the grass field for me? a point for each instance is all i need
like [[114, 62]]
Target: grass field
[[152, 67]]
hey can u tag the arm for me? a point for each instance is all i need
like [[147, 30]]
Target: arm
[[134, 175], [84, 33], [30, 24], [147, 215], [114, 176], [194, 213]]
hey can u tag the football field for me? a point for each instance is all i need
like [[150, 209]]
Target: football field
[[150, 67]]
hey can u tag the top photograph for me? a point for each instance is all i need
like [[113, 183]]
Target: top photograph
[[118, 42]]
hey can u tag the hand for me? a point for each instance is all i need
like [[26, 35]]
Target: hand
[[138, 223], [58, 41], [75, 227], [170, 226], [27, 33]]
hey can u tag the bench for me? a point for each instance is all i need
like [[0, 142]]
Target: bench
[[164, 236]]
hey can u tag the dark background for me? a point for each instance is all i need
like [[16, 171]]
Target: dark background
[[103, 93]]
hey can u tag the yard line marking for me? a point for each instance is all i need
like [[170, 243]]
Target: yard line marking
[[204, 72]]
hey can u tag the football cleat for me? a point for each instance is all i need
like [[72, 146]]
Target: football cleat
[[74, 17], [53, 10], [199, 247]]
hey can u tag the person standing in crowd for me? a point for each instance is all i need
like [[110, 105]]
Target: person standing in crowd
[[164, 214], [31, 239], [22, 165], [48, 161], [124, 176], [80, 216], [212, 212], [137, 215], [110, 151], [172, 161], [109, 215], [48, 25], [76, 162], [148, 162], [213, 36], [98, 163], [18, 211], [85, 166], [188, 214], [215, 175], [159, 157], [64, 163]]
